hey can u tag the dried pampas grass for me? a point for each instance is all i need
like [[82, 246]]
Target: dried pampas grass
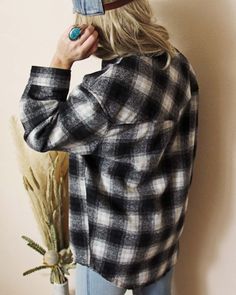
[[45, 178]]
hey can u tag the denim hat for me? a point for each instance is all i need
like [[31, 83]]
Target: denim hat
[[88, 7], [96, 7]]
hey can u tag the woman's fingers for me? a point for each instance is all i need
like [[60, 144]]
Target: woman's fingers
[[93, 48], [79, 49], [87, 38], [67, 31], [85, 35], [95, 45], [89, 42]]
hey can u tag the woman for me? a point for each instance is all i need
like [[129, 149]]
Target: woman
[[131, 133]]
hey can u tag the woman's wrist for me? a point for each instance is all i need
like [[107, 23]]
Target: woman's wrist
[[58, 63]]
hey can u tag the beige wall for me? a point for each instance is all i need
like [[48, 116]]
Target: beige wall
[[206, 32]]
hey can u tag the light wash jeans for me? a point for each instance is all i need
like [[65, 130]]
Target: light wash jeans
[[89, 282]]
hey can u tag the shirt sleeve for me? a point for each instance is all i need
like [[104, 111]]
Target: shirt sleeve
[[53, 122]]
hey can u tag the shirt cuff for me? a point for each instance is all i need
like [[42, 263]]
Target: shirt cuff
[[50, 76]]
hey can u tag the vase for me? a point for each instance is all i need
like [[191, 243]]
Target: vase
[[61, 289]]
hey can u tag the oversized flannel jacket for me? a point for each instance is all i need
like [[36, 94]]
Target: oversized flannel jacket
[[130, 129]]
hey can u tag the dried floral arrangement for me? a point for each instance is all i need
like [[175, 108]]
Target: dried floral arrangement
[[45, 178]]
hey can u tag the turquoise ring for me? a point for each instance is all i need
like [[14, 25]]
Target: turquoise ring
[[75, 33]]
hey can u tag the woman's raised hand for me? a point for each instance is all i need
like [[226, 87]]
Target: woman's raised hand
[[68, 51]]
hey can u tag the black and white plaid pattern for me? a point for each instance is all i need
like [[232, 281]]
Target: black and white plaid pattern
[[131, 133]]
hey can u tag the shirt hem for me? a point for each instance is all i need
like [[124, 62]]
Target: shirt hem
[[118, 284]]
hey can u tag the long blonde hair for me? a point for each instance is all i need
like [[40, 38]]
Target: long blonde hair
[[127, 30]]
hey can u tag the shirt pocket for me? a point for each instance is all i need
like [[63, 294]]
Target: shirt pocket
[[135, 148]]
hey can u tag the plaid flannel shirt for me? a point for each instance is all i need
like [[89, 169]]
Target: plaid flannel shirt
[[131, 133]]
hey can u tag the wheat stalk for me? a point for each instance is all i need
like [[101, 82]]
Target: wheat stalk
[[45, 178]]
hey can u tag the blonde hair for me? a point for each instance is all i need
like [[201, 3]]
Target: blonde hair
[[127, 30]]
